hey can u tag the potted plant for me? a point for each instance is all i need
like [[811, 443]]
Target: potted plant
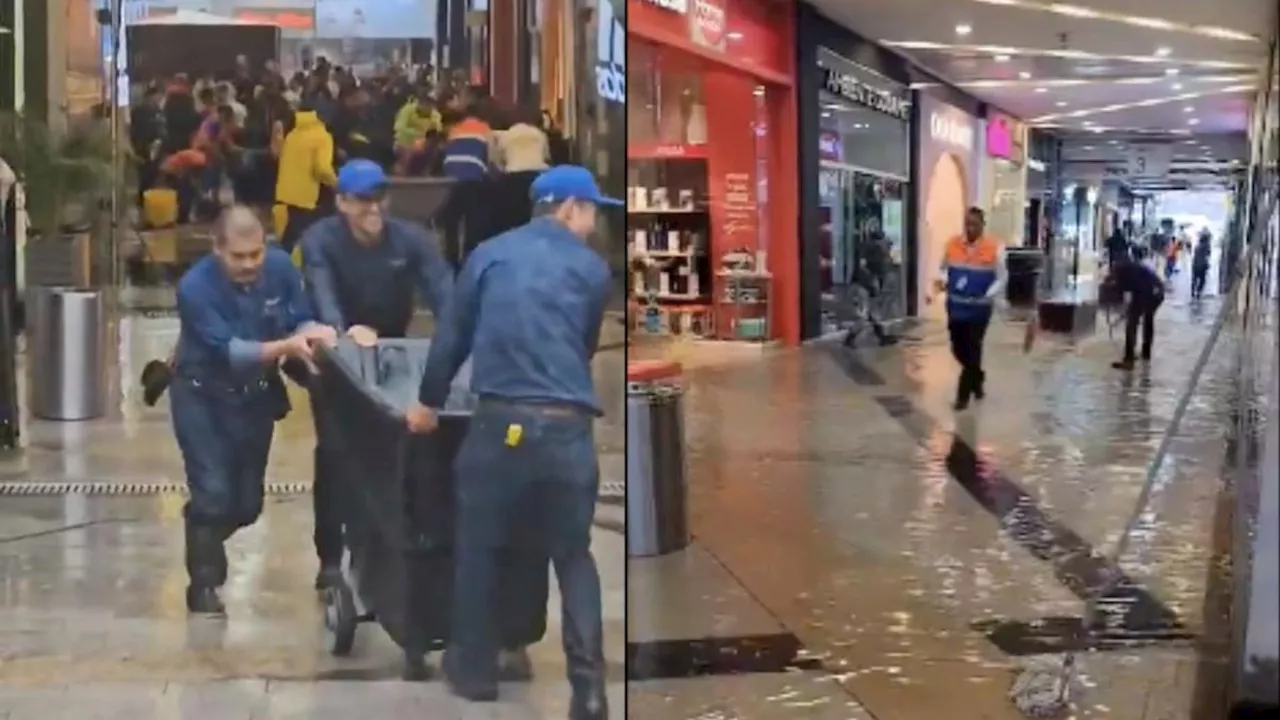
[[66, 174]]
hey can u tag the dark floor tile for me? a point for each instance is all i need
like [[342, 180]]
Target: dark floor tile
[[702, 657]]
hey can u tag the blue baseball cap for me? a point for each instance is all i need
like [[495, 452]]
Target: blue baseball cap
[[564, 182], [362, 178]]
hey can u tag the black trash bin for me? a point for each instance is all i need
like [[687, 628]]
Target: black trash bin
[[397, 499]]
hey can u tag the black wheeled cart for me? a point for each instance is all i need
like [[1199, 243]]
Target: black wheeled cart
[[397, 496]]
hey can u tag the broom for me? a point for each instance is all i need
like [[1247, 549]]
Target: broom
[[1045, 687]]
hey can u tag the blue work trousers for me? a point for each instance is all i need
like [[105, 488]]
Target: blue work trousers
[[225, 438], [523, 464]]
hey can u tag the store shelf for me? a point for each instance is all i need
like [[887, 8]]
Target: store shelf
[[676, 211], [673, 297], [660, 254]]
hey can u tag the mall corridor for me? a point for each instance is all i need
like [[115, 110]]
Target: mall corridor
[[861, 551], [92, 615]]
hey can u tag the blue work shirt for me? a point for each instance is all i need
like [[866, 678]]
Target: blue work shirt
[[373, 285], [527, 309], [224, 324]]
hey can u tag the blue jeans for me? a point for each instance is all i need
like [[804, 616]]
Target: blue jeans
[[549, 478], [225, 442]]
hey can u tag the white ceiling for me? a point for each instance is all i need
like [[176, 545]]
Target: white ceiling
[[1085, 73]]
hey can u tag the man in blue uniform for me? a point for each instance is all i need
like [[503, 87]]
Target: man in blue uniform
[[1145, 290], [362, 269], [242, 311], [527, 309]]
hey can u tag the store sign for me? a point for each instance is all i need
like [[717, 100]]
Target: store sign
[[611, 55], [1005, 138], [830, 146], [708, 22], [676, 6], [854, 90], [947, 130]]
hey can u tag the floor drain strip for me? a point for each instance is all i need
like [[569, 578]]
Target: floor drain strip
[[608, 490], [28, 489]]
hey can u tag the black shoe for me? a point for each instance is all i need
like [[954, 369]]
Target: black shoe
[[474, 693], [1123, 365], [204, 600], [960, 404], [515, 666], [329, 576], [589, 706], [156, 376], [851, 338], [888, 340], [1146, 357]]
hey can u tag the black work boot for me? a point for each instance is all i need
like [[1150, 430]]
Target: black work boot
[[514, 665], [330, 575], [206, 559], [589, 703], [979, 386]]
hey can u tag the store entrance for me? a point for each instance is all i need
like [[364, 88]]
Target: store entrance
[[860, 239]]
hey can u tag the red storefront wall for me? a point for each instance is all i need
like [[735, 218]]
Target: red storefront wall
[[739, 45]]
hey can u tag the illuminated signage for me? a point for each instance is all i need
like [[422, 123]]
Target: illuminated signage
[[611, 55], [946, 130], [854, 90], [676, 6], [1005, 138]]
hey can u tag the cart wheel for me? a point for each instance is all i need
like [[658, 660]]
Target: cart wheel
[[340, 618]]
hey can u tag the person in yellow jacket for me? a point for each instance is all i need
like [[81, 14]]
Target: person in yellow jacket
[[306, 176], [417, 120]]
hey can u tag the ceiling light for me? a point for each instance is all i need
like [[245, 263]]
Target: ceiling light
[[826, 114], [734, 36], [1024, 75], [1164, 52], [1151, 102], [1060, 103], [1188, 109], [968, 49], [1042, 90], [1157, 23], [1193, 121], [1176, 86], [1002, 58], [1088, 147], [963, 30], [1114, 142], [1171, 71], [1073, 10]]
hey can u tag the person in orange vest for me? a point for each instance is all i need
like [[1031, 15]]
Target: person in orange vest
[[973, 275]]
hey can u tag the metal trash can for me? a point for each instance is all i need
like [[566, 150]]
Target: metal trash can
[[66, 353], [656, 492]]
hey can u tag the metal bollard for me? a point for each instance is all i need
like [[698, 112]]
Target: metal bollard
[[66, 353], [657, 507]]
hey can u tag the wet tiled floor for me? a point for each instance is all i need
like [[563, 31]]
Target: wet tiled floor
[[855, 540], [92, 617]]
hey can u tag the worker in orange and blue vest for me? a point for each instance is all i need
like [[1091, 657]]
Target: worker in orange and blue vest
[[973, 275]]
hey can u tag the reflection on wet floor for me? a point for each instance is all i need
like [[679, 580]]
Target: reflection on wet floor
[[917, 556], [92, 600]]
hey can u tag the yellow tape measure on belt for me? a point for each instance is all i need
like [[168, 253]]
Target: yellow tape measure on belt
[[514, 433]]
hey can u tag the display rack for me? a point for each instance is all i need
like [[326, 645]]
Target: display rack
[[668, 241]]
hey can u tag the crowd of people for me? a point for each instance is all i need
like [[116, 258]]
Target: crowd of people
[[257, 138]]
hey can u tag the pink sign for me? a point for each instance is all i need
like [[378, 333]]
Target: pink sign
[[999, 137], [830, 146]]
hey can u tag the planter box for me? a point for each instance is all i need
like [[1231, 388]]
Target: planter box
[[66, 260]]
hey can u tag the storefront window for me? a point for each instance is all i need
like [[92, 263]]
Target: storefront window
[[863, 151], [860, 240], [699, 200]]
